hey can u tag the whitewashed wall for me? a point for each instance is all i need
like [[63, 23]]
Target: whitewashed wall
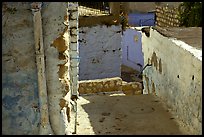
[[175, 77], [21, 113], [100, 52]]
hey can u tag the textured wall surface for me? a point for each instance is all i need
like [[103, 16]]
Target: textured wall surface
[[167, 16], [100, 52], [100, 85], [20, 109], [108, 85], [56, 50], [20, 99], [132, 55], [175, 76]]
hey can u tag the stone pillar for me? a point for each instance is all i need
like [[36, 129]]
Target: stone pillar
[[73, 46], [55, 35], [73, 57]]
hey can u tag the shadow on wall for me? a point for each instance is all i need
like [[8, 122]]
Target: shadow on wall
[[127, 115]]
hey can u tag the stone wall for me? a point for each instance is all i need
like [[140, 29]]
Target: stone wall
[[110, 85], [100, 52], [167, 16], [100, 85], [175, 76]]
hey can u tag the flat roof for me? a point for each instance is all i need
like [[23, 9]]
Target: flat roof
[[190, 35]]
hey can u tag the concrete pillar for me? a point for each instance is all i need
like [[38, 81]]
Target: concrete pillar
[[56, 42]]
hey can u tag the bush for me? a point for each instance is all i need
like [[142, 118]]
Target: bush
[[190, 14]]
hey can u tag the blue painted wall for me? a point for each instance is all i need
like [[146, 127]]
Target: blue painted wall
[[20, 104], [141, 19], [132, 54], [20, 111]]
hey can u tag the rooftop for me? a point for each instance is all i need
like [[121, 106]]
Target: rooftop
[[190, 35]]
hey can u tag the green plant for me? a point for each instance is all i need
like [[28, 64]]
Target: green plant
[[190, 14]]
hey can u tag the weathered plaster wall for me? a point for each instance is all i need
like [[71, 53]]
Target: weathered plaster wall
[[20, 100], [100, 52], [56, 50], [20, 109], [175, 76]]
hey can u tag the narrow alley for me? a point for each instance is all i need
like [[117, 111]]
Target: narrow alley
[[120, 114], [103, 68], [117, 113]]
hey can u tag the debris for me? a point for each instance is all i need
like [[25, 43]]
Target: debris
[[105, 114], [102, 119]]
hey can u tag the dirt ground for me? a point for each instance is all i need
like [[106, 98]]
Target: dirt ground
[[114, 113], [129, 75], [118, 114]]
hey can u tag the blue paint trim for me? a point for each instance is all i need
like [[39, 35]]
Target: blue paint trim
[[10, 102]]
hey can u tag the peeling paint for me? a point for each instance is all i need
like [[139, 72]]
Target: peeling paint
[[153, 88], [160, 66], [154, 60], [62, 56], [63, 103], [59, 43], [147, 83], [62, 71], [149, 61], [176, 86]]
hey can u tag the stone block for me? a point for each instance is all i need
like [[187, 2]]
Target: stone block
[[74, 31], [74, 62], [73, 46], [133, 88], [74, 54], [73, 38], [100, 85], [73, 23], [74, 71], [74, 15]]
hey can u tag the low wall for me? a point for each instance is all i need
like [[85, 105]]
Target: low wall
[[100, 52], [100, 85], [109, 85], [175, 76]]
